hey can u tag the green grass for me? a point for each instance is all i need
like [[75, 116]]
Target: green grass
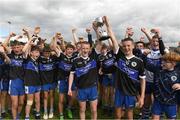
[[101, 114]]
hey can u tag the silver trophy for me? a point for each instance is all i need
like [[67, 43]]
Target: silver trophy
[[102, 33]]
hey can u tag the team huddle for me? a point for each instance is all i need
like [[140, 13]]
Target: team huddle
[[115, 75]]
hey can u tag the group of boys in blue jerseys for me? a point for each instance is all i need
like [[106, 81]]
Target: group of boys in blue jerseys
[[118, 76]]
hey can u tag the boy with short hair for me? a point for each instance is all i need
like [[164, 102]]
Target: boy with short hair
[[84, 73], [64, 64], [47, 75], [106, 61], [32, 79], [166, 83], [16, 83], [129, 75]]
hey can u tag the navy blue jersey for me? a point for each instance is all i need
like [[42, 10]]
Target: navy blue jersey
[[47, 69], [64, 66], [85, 71], [128, 73], [16, 66], [5, 72], [106, 62], [137, 52], [31, 75], [178, 67], [75, 54], [163, 82]]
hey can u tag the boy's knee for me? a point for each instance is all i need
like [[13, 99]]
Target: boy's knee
[[29, 102]]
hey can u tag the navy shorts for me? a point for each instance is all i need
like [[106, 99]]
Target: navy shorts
[[107, 80], [159, 108], [4, 85], [149, 88], [32, 89], [16, 87], [87, 94], [63, 86], [48, 87], [124, 101]]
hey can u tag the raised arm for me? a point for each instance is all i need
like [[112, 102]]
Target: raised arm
[[4, 55], [129, 32], [52, 44], [55, 47], [26, 33], [37, 30], [110, 44], [75, 38], [62, 45], [6, 49], [161, 43], [147, 34], [88, 30], [161, 46], [111, 34], [7, 41], [26, 49]]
